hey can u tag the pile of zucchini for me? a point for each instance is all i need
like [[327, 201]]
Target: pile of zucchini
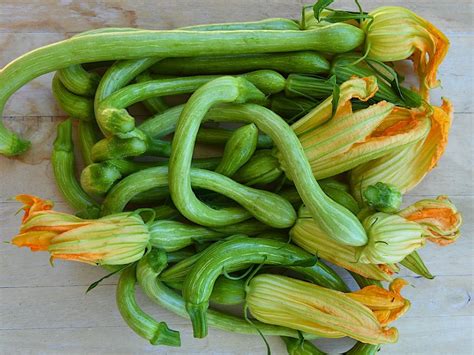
[[246, 148]]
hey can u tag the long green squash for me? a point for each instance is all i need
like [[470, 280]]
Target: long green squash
[[335, 38]]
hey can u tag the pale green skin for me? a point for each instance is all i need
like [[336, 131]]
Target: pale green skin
[[135, 44]]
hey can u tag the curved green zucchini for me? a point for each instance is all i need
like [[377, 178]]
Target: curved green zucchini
[[78, 80], [76, 106], [294, 62], [160, 125], [265, 206], [87, 137], [335, 38], [153, 104], [173, 235], [224, 89], [114, 119], [63, 162], [140, 322], [98, 178], [242, 251], [335, 219], [148, 270], [81, 82]]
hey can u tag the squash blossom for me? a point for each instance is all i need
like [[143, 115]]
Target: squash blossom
[[395, 33], [406, 167], [438, 217], [112, 240], [301, 305], [307, 234], [391, 238], [349, 139], [387, 305]]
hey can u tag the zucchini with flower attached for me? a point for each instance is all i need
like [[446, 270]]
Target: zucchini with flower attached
[[242, 251]]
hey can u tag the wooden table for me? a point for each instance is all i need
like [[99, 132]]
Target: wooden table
[[45, 309]]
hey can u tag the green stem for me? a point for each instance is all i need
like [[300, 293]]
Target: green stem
[[140, 322], [364, 281], [62, 160], [364, 349], [335, 38]]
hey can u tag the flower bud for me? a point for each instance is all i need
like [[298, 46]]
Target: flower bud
[[396, 33], [391, 238], [113, 240], [438, 217]]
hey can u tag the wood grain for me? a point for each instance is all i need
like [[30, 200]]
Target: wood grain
[[44, 309]]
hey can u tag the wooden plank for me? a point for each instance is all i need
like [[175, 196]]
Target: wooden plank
[[77, 16], [121, 340], [417, 338]]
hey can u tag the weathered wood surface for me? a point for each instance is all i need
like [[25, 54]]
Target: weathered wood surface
[[45, 310]]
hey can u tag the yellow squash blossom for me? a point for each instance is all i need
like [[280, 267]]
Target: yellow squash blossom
[[406, 167], [316, 310], [338, 144], [396, 33], [438, 217], [391, 239], [387, 305], [112, 240], [307, 234], [358, 88]]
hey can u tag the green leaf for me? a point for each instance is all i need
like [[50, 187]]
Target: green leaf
[[341, 16], [319, 6]]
